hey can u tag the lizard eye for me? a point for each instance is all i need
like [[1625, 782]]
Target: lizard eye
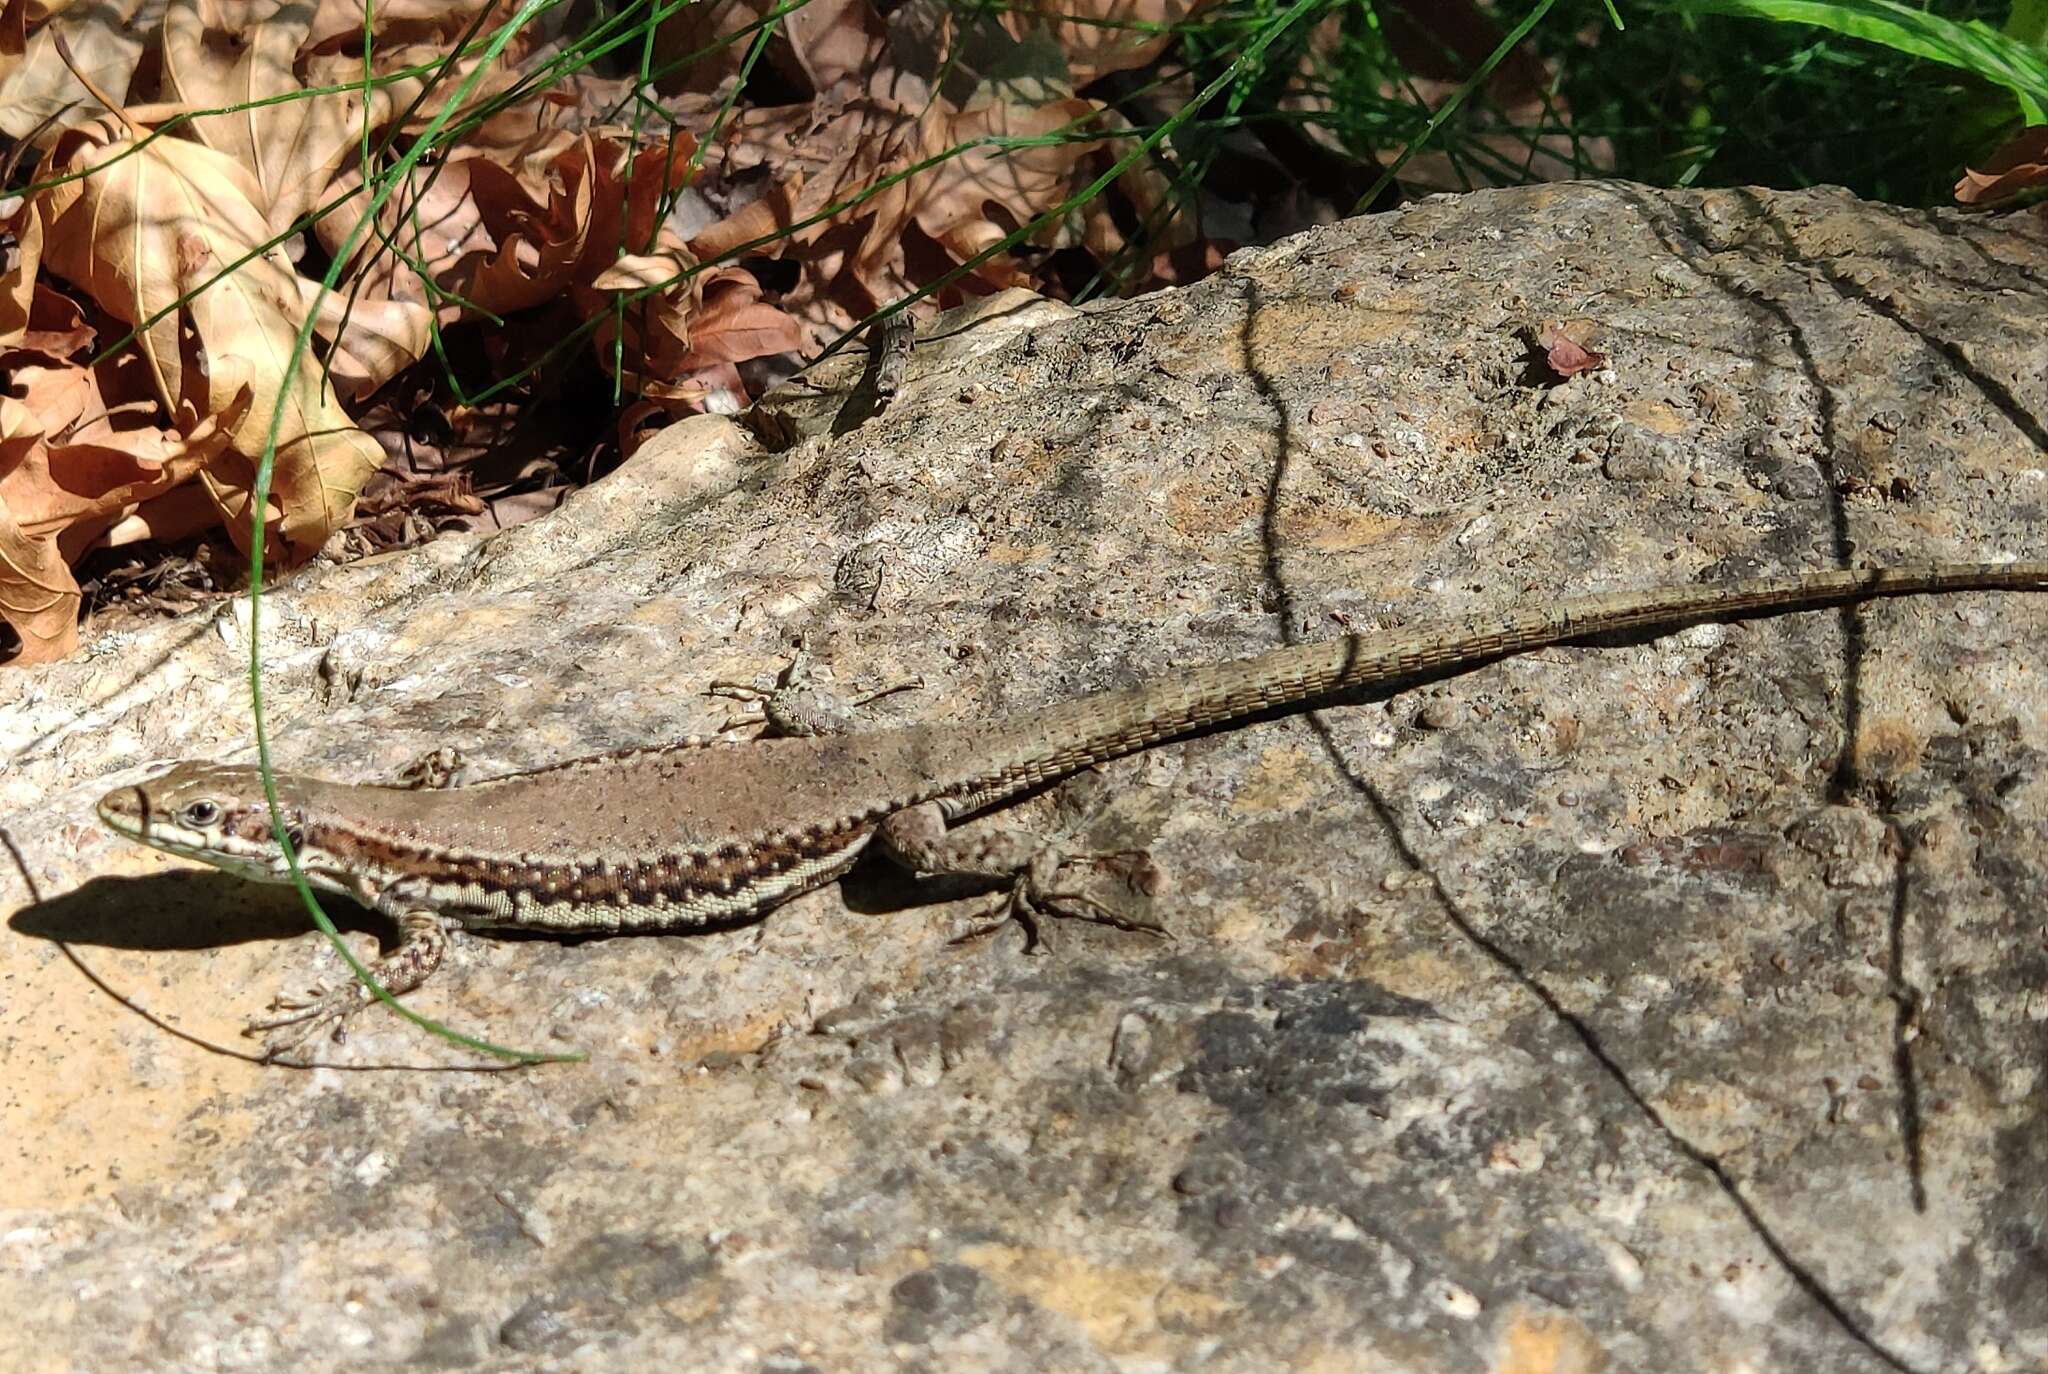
[[201, 814]]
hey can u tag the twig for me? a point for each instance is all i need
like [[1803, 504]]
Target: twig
[[92, 88]]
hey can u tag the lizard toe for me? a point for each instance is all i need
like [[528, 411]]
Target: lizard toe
[[301, 1021]]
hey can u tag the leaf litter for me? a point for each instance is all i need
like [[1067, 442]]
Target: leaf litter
[[625, 226]]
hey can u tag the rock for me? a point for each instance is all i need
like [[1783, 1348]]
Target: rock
[[1667, 1005]]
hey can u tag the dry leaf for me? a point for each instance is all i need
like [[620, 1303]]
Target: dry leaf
[[863, 242], [14, 33], [1563, 354], [953, 201], [148, 227], [223, 53], [57, 327], [57, 497], [841, 46], [701, 45], [2022, 162], [735, 324], [23, 254], [599, 233], [106, 39], [412, 51], [338, 24], [1103, 36], [38, 595], [371, 341]]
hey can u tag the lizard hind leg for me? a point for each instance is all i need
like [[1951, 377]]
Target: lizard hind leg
[[1040, 874], [423, 941]]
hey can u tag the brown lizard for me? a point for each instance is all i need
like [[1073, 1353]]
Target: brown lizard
[[712, 832]]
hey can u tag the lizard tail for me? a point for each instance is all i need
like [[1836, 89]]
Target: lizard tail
[[1064, 738]]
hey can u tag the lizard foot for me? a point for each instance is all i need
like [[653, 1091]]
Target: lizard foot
[[422, 944], [793, 705], [1036, 893], [435, 769]]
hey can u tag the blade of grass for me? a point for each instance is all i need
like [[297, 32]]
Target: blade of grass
[[1457, 99], [1972, 46], [259, 497]]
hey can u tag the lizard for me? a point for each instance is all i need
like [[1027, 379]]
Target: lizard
[[712, 832]]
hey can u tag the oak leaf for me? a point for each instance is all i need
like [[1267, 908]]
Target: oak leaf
[[240, 53], [59, 494], [169, 231], [18, 263], [106, 38], [866, 239]]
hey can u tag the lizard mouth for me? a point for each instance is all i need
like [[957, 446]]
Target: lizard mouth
[[123, 809], [127, 812]]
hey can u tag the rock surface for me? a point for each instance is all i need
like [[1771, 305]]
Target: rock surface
[[1668, 1005]]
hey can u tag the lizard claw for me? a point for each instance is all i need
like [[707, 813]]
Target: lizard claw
[[301, 1020], [1031, 896], [315, 994]]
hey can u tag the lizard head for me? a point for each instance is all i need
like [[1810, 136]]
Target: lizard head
[[213, 812]]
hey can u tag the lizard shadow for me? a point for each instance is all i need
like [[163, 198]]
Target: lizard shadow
[[188, 909], [200, 909]]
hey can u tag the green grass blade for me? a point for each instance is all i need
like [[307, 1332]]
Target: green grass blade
[[1971, 46]]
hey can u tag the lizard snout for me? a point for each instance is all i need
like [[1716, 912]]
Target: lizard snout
[[125, 809]]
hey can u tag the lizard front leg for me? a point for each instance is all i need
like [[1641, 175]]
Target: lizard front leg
[[919, 837], [423, 940], [796, 705]]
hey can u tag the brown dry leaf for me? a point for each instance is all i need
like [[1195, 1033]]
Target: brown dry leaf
[[338, 24], [824, 166], [826, 155], [1151, 203], [674, 349], [1448, 40], [586, 227], [422, 232], [143, 231], [14, 31], [47, 398], [958, 202], [1102, 36], [599, 233], [872, 243], [57, 327], [38, 595], [1440, 45], [703, 45], [416, 37], [1564, 354], [842, 46], [371, 340], [652, 332], [57, 497], [538, 245], [18, 263], [824, 49], [735, 325], [106, 38], [71, 491], [222, 53], [2022, 162], [758, 225]]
